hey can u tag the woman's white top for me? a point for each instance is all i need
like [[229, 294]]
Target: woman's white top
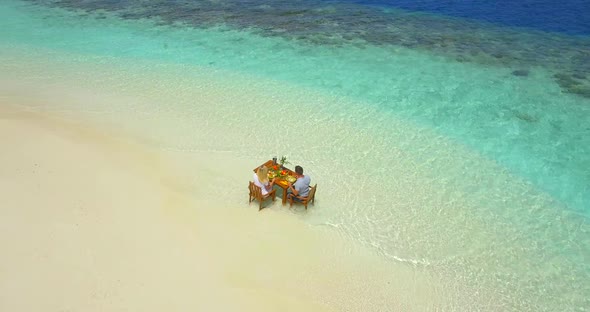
[[262, 186]]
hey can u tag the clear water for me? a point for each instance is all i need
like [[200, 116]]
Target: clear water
[[499, 135]]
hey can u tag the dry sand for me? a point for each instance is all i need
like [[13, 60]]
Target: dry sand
[[89, 222]]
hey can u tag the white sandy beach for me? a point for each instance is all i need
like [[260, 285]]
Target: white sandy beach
[[93, 223]]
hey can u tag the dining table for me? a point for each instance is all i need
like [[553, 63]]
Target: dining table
[[280, 181]]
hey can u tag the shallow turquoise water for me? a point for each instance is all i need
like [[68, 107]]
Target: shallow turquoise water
[[526, 124]]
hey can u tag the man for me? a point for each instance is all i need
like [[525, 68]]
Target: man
[[300, 189]]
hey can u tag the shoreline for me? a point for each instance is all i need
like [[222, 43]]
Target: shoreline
[[463, 213]]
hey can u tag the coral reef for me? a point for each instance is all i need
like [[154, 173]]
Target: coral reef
[[340, 24]]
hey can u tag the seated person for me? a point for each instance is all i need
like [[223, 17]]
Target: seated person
[[300, 189], [261, 180]]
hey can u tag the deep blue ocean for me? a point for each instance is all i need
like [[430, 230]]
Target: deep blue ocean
[[568, 17]]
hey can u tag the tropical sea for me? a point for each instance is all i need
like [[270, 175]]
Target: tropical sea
[[448, 137]]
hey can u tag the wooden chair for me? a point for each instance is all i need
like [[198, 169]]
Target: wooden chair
[[304, 200], [256, 193]]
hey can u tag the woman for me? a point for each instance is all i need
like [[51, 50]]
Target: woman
[[261, 180]]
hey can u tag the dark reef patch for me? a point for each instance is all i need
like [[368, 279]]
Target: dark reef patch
[[573, 83], [525, 117], [521, 73]]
